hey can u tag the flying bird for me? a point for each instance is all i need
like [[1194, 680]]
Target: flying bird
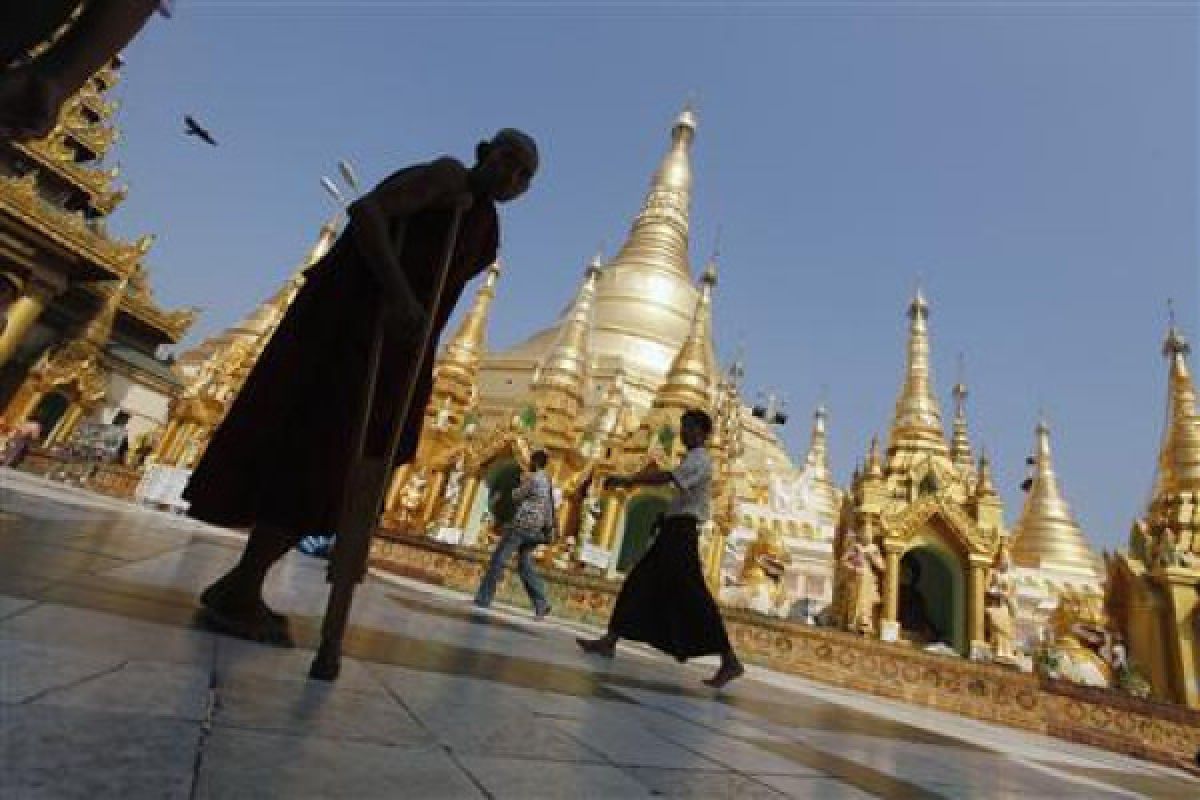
[[193, 128]]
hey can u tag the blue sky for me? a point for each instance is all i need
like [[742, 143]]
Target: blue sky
[[1035, 166]]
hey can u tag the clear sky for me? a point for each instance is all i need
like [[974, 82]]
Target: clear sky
[[1035, 165]]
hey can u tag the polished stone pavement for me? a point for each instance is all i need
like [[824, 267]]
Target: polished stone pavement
[[107, 689]]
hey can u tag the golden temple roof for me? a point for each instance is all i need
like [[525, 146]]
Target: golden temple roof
[[99, 328], [917, 423], [1179, 459], [1047, 536], [262, 321]]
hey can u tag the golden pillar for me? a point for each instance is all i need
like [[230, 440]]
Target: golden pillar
[[975, 600], [434, 500], [24, 402], [1144, 634], [166, 443], [712, 560], [1182, 601], [399, 478], [891, 583], [21, 316], [66, 424], [606, 532], [183, 435], [467, 501]]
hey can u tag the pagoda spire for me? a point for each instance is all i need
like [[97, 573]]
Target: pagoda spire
[[1179, 459], [960, 443], [818, 449], [560, 382], [658, 238], [691, 379], [917, 424], [985, 486], [1046, 536], [873, 468], [816, 464], [456, 370]]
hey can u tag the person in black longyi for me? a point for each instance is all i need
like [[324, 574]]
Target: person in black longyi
[[665, 601]]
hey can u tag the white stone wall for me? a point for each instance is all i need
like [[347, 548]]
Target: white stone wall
[[147, 407]]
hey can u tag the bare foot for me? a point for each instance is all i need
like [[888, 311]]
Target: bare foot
[[29, 105], [597, 647], [727, 673]]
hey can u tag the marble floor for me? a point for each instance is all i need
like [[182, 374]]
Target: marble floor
[[108, 689]]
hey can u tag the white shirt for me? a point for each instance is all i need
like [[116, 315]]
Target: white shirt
[[693, 485]]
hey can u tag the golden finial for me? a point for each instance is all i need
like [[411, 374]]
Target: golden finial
[[687, 116], [986, 486], [960, 443]]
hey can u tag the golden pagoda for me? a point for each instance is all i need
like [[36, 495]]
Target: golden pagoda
[[931, 525], [601, 390], [1047, 538], [644, 297], [82, 340], [215, 370], [1153, 591]]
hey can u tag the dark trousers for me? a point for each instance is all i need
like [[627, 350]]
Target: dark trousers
[[524, 546]]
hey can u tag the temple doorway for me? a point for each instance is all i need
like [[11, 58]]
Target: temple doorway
[[494, 497], [932, 602], [640, 514], [49, 412]]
